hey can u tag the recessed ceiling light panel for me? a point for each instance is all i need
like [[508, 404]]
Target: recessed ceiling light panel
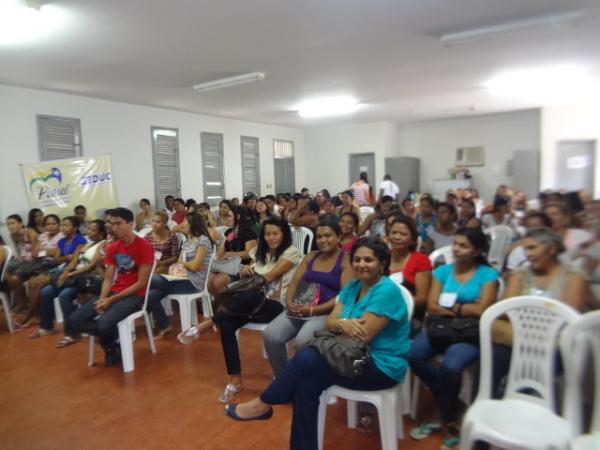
[[22, 21]]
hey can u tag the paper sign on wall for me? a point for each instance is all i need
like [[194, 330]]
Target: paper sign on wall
[[363, 169], [578, 162]]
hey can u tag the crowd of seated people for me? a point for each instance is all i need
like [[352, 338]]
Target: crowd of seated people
[[347, 283]]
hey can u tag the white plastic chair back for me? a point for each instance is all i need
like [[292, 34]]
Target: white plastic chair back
[[144, 231], [365, 211], [4, 299], [578, 341], [222, 229], [502, 236], [9, 254], [408, 298], [180, 238], [536, 324], [442, 252], [302, 238]]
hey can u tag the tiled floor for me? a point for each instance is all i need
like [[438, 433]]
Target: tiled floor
[[51, 399]]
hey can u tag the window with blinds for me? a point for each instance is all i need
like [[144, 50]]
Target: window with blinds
[[59, 137], [212, 167], [283, 157], [250, 165], [165, 160]]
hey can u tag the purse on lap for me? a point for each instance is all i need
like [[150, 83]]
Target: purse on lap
[[346, 355], [444, 331], [244, 297]]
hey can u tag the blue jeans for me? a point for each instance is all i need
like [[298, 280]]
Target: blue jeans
[[87, 320], [443, 381], [66, 295], [302, 382], [160, 287]]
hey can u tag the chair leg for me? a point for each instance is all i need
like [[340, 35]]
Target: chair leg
[[387, 423], [184, 313], [401, 407], [58, 311], [207, 310], [6, 307], [415, 397], [91, 349], [321, 418], [168, 307], [351, 413], [194, 312], [126, 345], [405, 397], [149, 331]]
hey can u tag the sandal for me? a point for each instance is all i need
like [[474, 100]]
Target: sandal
[[188, 336], [450, 443], [229, 392], [41, 332], [66, 341], [425, 429]]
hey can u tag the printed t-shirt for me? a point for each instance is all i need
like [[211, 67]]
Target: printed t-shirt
[[277, 290], [127, 261]]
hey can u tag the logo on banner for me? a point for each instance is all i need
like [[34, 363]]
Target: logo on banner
[[48, 188]]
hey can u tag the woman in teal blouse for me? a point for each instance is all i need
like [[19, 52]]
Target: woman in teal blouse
[[371, 308], [462, 289]]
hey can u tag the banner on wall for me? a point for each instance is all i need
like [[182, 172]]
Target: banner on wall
[[58, 186]]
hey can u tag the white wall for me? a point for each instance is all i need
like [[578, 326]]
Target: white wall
[[435, 143], [124, 131], [327, 149], [574, 122]]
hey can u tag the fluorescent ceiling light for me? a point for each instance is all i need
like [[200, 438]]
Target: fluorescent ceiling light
[[324, 107], [25, 20], [231, 81], [548, 85], [512, 28]]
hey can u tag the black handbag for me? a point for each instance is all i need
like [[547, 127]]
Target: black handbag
[[244, 297], [346, 355], [444, 331], [89, 283]]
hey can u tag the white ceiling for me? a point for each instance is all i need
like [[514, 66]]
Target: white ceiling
[[385, 53]]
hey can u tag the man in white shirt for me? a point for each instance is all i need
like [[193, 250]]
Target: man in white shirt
[[388, 187]]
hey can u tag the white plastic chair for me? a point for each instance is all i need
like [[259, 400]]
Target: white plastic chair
[[188, 312], [502, 236], [521, 420], [300, 235], [126, 329], [3, 297], [391, 403], [222, 229], [442, 252], [578, 341], [144, 231], [365, 211]]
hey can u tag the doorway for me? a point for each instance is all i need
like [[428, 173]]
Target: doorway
[[363, 162]]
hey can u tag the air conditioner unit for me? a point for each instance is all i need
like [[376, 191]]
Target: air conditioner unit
[[469, 156]]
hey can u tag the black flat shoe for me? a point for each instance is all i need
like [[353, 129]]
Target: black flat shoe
[[230, 411], [112, 356]]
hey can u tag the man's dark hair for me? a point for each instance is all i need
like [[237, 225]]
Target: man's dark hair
[[79, 207], [180, 200], [122, 213], [169, 196], [387, 177], [387, 198]]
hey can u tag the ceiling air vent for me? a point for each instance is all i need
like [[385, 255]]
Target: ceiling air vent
[[469, 156]]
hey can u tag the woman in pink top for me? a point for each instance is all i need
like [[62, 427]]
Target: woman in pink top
[[348, 226], [363, 194]]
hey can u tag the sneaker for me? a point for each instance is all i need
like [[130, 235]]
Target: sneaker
[[425, 429], [229, 392], [112, 356], [188, 336]]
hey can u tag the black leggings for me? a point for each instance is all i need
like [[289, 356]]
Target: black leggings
[[229, 324]]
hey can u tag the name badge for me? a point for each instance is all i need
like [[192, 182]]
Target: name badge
[[447, 299]]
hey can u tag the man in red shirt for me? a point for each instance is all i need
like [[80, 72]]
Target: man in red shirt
[[131, 257]]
